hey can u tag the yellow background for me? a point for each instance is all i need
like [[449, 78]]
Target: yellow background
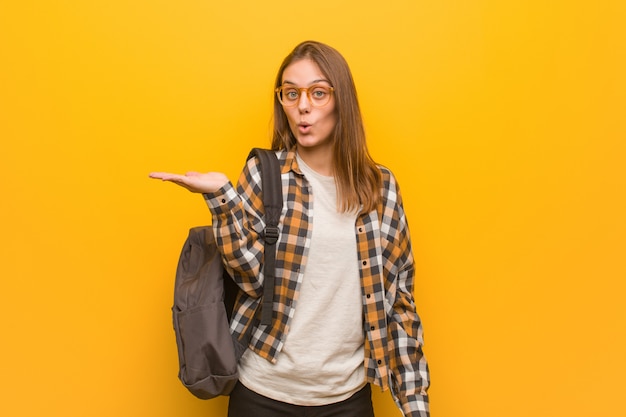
[[503, 120]]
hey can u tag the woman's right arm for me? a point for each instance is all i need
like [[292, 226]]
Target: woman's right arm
[[237, 220], [238, 226]]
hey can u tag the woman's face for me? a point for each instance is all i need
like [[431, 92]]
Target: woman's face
[[312, 126]]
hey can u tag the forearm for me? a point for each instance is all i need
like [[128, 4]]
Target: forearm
[[409, 366], [237, 237]]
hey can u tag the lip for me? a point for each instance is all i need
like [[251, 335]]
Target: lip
[[304, 127]]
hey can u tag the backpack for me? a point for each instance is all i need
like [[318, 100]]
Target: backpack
[[205, 294]]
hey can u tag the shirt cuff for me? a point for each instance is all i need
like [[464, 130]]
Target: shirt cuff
[[221, 201], [415, 406]]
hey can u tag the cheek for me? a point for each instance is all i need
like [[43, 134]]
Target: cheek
[[331, 120], [291, 117]]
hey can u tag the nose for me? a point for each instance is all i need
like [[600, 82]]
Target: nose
[[304, 105]]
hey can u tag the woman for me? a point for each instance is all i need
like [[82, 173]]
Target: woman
[[344, 315]]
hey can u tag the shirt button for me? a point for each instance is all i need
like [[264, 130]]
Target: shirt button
[[379, 361], [360, 229], [364, 262], [372, 328], [223, 200], [369, 295]]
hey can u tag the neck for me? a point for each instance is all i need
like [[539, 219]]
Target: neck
[[318, 159]]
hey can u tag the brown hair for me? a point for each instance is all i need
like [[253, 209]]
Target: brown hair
[[357, 177]]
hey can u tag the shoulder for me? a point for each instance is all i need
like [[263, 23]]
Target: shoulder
[[389, 183], [284, 160], [385, 172], [250, 181]]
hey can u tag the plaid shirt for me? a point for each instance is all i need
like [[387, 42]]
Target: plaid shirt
[[392, 328]]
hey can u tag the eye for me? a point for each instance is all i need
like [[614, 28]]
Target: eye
[[319, 92], [291, 94]]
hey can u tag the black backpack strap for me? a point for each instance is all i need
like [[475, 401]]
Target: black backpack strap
[[273, 203]]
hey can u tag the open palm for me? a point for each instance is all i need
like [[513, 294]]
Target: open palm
[[195, 182]]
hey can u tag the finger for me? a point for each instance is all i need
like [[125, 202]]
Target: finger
[[158, 175], [166, 176]]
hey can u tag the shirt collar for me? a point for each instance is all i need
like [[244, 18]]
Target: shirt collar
[[291, 163]]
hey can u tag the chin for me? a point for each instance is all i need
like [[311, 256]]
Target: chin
[[309, 144]]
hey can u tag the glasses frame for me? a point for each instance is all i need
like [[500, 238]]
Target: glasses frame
[[308, 89]]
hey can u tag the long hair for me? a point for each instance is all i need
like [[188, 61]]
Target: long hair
[[357, 177]]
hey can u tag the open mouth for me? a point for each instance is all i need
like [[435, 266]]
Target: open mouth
[[304, 128]]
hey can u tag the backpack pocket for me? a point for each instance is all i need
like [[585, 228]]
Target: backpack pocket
[[208, 366]]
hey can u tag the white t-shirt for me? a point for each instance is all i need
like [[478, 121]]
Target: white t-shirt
[[322, 359]]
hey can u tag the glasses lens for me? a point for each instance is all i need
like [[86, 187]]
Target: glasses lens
[[319, 94], [289, 95]]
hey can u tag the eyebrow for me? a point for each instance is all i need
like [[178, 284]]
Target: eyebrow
[[311, 83]]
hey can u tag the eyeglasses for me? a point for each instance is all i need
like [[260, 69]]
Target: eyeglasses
[[318, 94]]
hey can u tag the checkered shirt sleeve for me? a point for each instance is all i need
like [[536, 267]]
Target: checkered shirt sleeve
[[408, 369]]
